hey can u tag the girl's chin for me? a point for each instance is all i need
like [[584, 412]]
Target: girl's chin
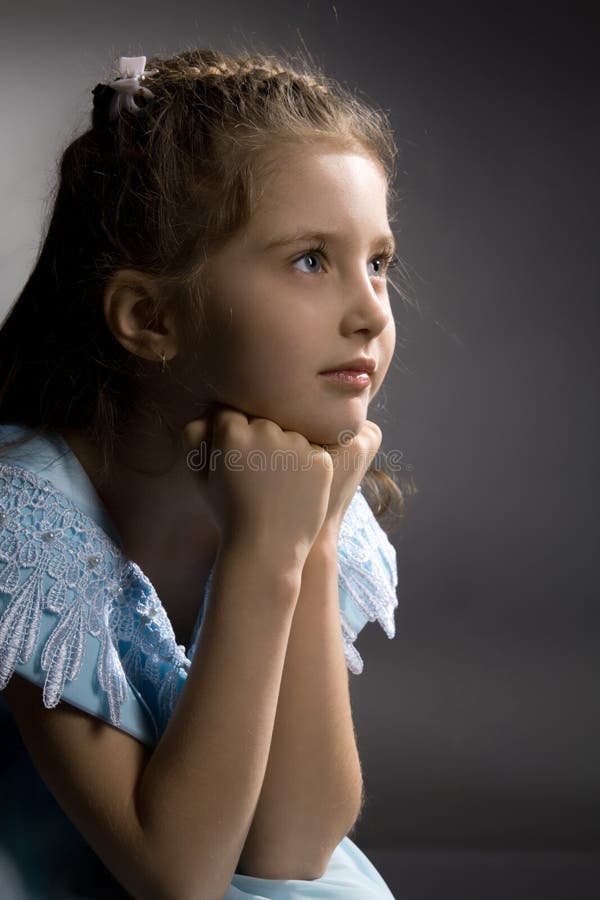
[[323, 428], [340, 432]]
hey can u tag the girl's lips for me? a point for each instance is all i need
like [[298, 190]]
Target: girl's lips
[[349, 377]]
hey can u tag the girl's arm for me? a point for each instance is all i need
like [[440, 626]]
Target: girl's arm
[[171, 824], [312, 791]]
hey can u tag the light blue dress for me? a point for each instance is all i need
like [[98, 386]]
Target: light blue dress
[[82, 621]]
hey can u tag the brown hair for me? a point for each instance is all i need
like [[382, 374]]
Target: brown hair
[[158, 192]]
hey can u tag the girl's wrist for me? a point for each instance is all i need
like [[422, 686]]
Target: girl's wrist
[[256, 551], [328, 538]]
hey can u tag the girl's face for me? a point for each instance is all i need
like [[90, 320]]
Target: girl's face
[[281, 313]]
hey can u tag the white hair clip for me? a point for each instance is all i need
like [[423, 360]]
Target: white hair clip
[[127, 86]]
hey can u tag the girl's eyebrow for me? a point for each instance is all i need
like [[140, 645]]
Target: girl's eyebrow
[[386, 240]]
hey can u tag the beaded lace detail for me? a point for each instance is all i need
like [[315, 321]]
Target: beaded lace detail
[[94, 588], [367, 572]]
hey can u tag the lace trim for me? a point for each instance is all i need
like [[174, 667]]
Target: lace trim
[[95, 590], [367, 572]]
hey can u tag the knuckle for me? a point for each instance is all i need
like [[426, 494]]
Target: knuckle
[[296, 439], [374, 434], [222, 419]]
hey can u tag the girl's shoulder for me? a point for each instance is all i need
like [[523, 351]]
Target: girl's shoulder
[[77, 617]]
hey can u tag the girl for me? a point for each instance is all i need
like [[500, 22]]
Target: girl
[[186, 553]]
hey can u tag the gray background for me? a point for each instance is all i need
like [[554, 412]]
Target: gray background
[[478, 724]]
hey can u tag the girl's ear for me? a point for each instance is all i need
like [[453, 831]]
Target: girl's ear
[[136, 316]]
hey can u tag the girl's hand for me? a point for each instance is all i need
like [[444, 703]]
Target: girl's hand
[[265, 487], [350, 463]]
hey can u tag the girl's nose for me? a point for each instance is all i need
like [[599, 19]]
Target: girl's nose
[[366, 309]]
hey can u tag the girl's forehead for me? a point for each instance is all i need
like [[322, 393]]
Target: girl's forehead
[[318, 180], [319, 203]]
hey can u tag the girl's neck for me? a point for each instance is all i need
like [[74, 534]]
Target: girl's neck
[[151, 495]]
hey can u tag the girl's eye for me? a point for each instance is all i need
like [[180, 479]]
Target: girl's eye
[[385, 259]]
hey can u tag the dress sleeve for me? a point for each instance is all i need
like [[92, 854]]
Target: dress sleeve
[[367, 577], [61, 578]]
